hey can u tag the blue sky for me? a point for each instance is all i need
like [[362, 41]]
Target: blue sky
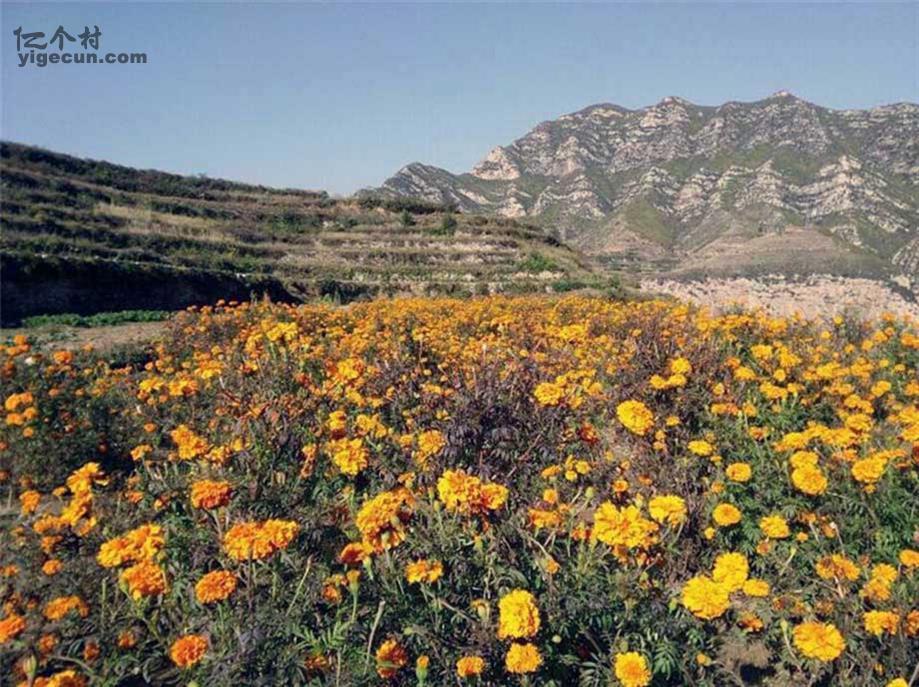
[[340, 96]]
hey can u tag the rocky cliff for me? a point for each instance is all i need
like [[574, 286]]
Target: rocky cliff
[[777, 184]]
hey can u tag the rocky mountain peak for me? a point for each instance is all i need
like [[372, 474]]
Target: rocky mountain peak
[[675, 180]]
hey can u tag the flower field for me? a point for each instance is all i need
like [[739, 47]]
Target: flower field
[[497, 491]]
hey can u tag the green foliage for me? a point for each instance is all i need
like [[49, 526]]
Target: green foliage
[[97, 320]]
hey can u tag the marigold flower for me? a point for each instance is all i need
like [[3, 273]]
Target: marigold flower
[[467, 494], [549, 394], [837, 566], [731, 570], [669, 509], [821, 641], [144, 579], [59, 607], [470, 666], [423, 571], [809, 479], [705, 598], [909, 558], [879, 622], [207, 494], [738, 472], [756, 587], [381, 519], [29, 501], [257, 540], [623, 527], [518, 615], [188, 650], [774, 527], [635, 416], [632, 669], [522, 658], [215, 586], [391, 657], [349, 455], [726, 515], [700, 447], [11, 627]]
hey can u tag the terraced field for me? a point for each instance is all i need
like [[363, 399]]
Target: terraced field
[[85, 236]]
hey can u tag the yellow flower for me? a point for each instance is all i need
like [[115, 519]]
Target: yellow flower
[[809, 479], [518, 615], [726, 514], [738, 472], [468, 494], [731, 570], [756, 587], [909, 558], [215, 586], [470, 666], [190, 445], [705, 598], [381, 520], [188, 650], [821, 641], [774, 527], [522, 658], [635, 416], [837, 566], [668, 508], [349, 455], [869, 470], [700, 447], [632, 670], [424, 571], [430, 443], [549, 394], [879, 622], [622, 527]]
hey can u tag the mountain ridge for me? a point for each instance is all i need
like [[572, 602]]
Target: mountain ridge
[[658, 186]]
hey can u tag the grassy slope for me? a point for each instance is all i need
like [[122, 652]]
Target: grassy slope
[[62, 213]]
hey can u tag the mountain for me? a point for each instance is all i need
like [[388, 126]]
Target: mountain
[[84, 236], [778, 185]]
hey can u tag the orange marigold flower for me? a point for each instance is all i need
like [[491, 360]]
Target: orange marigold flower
[[11, 627], [144, 579], [58, 607], [188, 650], [257, 540], [207, 494], [470, 666], [215, 586]]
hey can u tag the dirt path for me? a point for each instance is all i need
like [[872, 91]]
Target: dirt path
[[101, 338]]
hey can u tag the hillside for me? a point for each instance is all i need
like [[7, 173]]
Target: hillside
[[85, 236], [778, 185]]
